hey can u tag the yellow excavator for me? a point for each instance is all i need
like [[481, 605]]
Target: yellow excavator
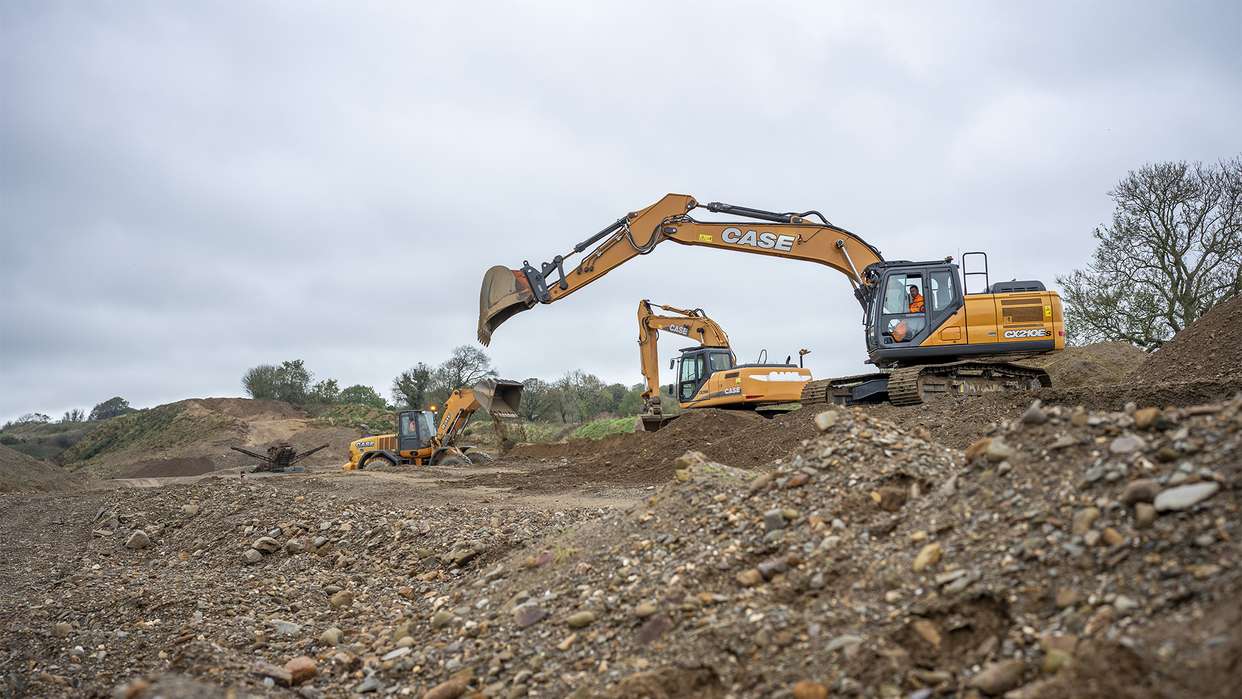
[[709, 375], [924, 331], [418, 441]]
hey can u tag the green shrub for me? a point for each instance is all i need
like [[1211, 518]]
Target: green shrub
[[598, 429]]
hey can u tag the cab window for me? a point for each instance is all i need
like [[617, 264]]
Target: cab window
[[903, 293], [409, 424], [691, 371], [904, 309], [692, 368], [428, 427], [720, 361], [943, 292]]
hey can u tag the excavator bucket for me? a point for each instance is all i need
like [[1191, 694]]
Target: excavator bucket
[[499, 398], [652, 423], [505, 293]]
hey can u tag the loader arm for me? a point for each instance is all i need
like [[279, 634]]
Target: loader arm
[[458, 409], [506, 292], [500, 398], [688, 323]]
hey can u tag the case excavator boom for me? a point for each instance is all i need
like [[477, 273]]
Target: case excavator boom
[[923, 329]]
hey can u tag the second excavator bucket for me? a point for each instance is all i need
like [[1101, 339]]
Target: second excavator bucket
[[505, 292], [499, 398], [653, 422]]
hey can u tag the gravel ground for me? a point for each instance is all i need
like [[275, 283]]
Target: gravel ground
[[1066, 554]]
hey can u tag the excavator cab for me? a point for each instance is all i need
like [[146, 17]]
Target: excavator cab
[[920, 313], [696, 365], [911, 299]]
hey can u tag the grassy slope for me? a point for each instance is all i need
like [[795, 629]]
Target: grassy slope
[[162, 427], [46, 440]]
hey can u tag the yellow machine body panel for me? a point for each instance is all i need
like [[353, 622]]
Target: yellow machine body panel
[[986, 319], [360, 449], [746, 386]]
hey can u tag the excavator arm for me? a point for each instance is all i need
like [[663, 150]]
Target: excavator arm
[[693, 324], [506, 292]]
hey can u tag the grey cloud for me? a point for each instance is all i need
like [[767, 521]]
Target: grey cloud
[[188, 190]]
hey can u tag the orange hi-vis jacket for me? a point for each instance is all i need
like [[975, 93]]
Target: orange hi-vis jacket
[[916, 304]]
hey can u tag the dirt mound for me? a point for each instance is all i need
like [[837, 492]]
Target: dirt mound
[[158, 468], [249, 408], [19, 472], [1210, 349], [1090, 365], [644, 458], [193, 436], [873, 562]]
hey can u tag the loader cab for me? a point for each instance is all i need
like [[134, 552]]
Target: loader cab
[[910, 300], [415, 428], [696, 365]]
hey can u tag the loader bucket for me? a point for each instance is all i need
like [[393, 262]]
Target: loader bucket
[[499, 398], [505, 292]]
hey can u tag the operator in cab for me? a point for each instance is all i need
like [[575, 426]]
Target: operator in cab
[[916, 300]]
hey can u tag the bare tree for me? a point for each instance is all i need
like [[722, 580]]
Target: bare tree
[[1172, 251], [75, 415], [463, 368]]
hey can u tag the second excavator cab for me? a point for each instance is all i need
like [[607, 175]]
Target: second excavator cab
[[697, 364]]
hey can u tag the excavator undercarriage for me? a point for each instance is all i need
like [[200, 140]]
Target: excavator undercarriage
[[913, 385]]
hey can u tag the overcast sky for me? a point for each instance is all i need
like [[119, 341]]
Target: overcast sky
[[191, 189]]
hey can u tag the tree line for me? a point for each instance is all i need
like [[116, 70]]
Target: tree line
[[575, 397], [112, 407]]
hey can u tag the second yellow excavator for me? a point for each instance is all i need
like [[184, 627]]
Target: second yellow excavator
[[925, 332], [709, 375]]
